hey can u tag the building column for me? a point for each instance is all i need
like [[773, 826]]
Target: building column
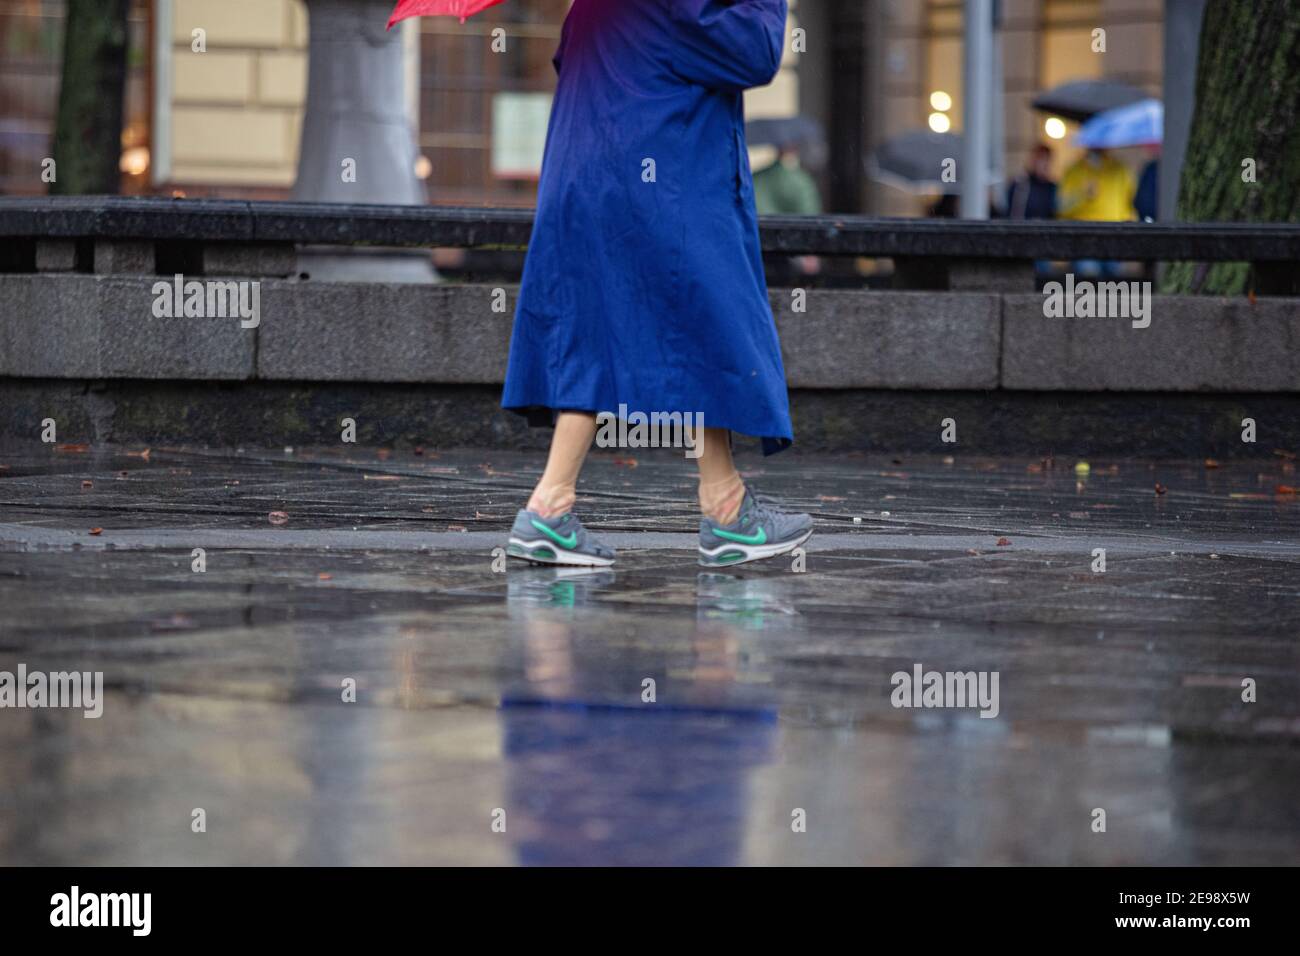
[[358, 145], [1182, 47]]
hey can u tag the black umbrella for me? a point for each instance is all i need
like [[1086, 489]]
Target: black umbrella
[[916, 161], [1081, 99], [784, 131], [790, 131]]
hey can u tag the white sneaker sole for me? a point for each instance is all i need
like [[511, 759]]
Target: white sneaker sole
[[749, 552], [542, 551]]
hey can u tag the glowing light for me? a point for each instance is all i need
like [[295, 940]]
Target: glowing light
[[940, 123], [940, 101], [1054, 127], [134, 161]]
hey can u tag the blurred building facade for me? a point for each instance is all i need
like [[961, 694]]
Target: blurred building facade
[[226, 122]]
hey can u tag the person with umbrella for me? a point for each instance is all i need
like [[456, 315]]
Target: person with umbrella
[[785, 187], [643, 287], [1134, 124]]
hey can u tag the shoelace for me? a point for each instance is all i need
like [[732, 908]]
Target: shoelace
[[764, 508]]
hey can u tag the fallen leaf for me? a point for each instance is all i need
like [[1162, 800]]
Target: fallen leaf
[[1160, 489], [829, 498], [1284, 490], [278, 517], [972, 551], [71, 447], [138, 454], [626, 462], [96, 531], [1283, 453], [88, 484], [1211, 463], [384, 454], [456, 527], [1003, 542], [324, 577]]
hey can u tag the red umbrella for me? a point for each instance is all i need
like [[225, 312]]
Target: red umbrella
[[438, 8]]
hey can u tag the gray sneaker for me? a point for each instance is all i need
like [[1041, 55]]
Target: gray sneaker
[[561, 540], [761, 531]]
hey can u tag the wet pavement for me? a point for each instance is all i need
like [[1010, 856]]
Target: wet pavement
[[502, 716]]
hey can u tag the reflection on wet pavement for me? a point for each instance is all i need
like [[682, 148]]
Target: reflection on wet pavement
[[654, 713]]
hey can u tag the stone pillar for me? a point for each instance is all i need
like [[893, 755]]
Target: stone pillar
[[357, 142], [1182, 50]]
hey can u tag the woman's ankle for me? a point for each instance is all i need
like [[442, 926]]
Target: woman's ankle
[[552, 502], [721, 500]]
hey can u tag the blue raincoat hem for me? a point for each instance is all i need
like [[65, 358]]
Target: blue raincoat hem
[[540, 416]]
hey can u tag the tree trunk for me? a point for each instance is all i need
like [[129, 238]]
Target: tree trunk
[[1247, 109], [88, 130]]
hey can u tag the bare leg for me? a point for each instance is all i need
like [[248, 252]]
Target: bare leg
[[557, 489], [721, 489]]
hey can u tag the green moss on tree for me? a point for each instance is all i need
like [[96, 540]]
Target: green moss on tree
[[1247, 110]]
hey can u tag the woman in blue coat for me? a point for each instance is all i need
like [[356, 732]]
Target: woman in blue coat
[[643, 291]]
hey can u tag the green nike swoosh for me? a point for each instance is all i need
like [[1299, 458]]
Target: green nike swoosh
[[569, 543], [759, 538]]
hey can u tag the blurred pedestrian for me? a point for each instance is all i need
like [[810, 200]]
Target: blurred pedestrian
[[947, 206], [1146, 201], [785, 188], [643, 287], [1096, 188], [1032, 194]]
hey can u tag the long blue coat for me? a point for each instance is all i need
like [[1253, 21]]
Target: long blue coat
[[644, 285]]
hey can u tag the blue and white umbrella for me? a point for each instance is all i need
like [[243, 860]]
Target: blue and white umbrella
[[1138, 124]]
